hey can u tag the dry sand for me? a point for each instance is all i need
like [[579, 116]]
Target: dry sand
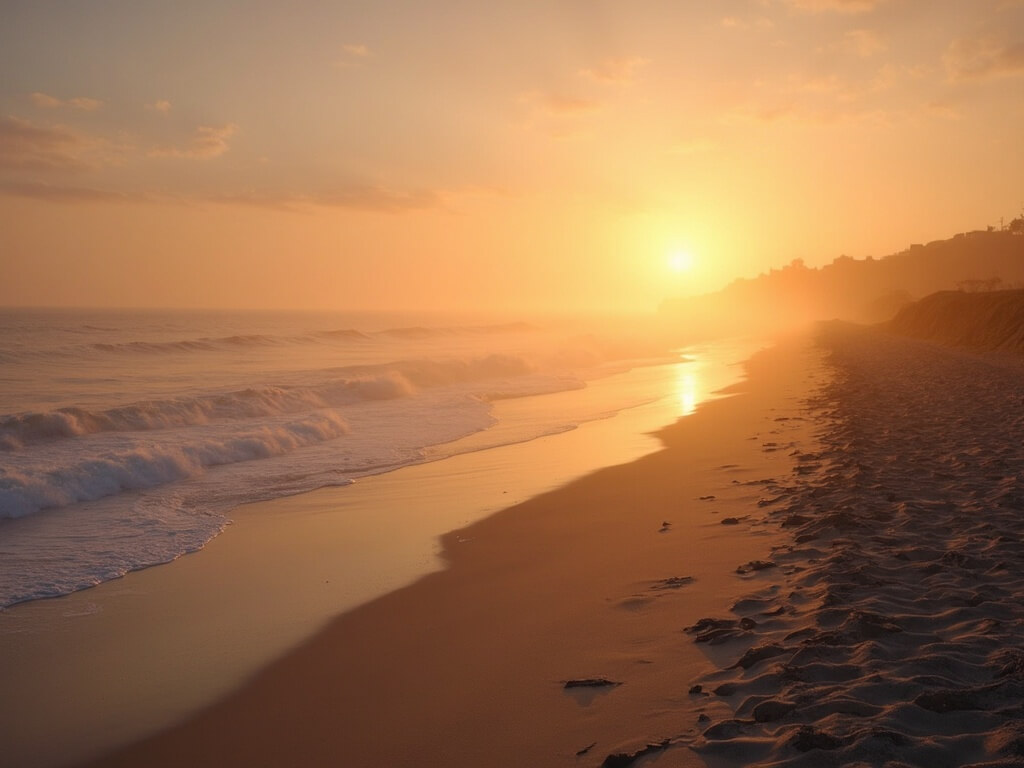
[[893, 634], [592, 582]]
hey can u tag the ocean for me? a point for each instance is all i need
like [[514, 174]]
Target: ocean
[[127, 437]]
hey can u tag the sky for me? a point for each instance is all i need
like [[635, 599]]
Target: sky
[[509, 156]]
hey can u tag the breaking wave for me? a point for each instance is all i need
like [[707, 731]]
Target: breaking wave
[[362, 384], [20, 430], [148, 465]]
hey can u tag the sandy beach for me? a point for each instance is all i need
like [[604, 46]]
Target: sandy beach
[[893, 634], [555, 635], [819, 569]]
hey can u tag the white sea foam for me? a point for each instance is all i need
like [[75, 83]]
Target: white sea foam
[[90, 470], [381, 382]]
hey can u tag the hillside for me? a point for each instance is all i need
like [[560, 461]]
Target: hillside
[[860, 290], [981, 321]]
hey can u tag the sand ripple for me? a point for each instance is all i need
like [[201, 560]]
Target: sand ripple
[[892, 631]]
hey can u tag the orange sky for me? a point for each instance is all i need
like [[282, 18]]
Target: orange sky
[[511, 156]]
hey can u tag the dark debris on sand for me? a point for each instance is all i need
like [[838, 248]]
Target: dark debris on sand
[[590, 682], [626, 759]]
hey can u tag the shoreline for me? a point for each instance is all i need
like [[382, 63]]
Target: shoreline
[[110, 664], [468, 665]]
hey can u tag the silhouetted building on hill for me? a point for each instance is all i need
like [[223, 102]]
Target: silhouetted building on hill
[[861, 290]]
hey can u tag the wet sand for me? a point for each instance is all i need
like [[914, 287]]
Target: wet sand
[[555, 636]]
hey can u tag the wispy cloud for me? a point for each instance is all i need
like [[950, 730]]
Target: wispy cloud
[[616, 69], [208, 141], [160, 105], [558, 114], [864, 43], [818, 84], [822, 97], [376, 198], [737, 22], [838, 6], [983, 57], [944, 109], [358, 51], [45, 101], [56, 193], [356, 196], [29, 146], [561, 104], [890, 76], [85, 104], [353, 196], [352, 55]]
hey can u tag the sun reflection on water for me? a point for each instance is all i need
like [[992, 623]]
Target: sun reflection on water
[[686, 386]]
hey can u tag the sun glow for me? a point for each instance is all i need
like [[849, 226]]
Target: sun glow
[[680, 261]]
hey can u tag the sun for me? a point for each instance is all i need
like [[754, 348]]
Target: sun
[[680, 261]]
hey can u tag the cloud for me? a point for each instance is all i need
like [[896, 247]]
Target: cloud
[[44, 101], [559, 103], [863, 42], [82, 103], [208, 141], [944, 109], [982, 58], [352, 55], [60, 194], [160, 105], [891, 76], [825, 98], [376, 198], [28, 146], [735, 22], [87, 105], [558, 115], [566, 105], [351, 195], [819, 84], [615, 70], [358, 51], [839, 6]]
